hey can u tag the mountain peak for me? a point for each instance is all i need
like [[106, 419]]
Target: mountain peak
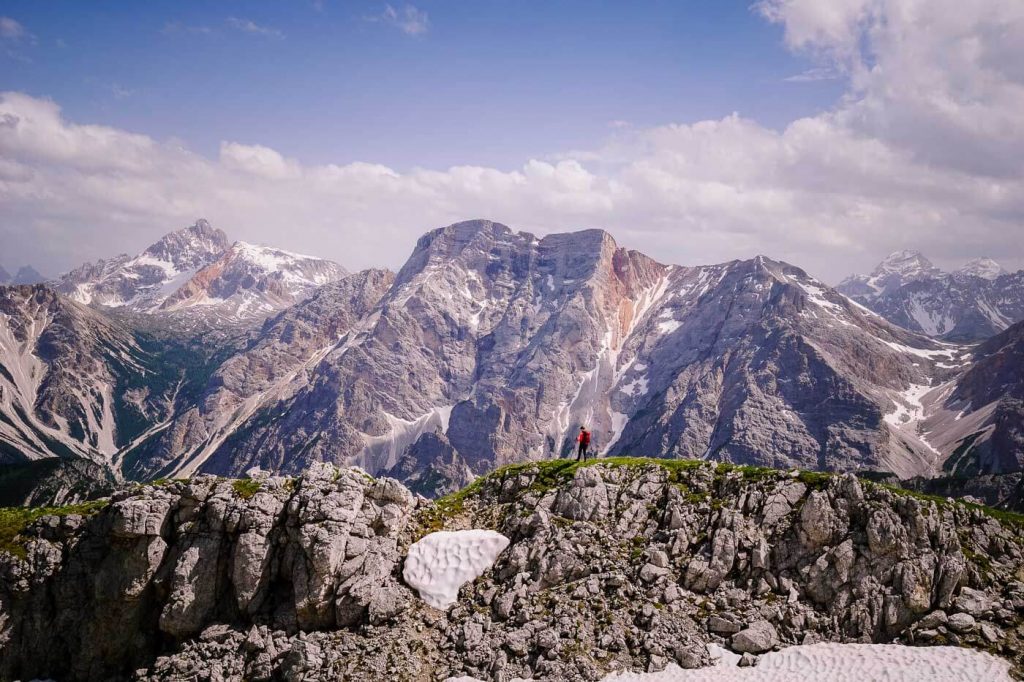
[[983, 267], [190, 247], [906, 263]]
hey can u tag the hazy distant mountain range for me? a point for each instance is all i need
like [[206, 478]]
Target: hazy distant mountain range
[[26, 274], [492, 346]]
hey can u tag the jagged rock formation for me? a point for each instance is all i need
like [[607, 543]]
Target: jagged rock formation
[[624, 564], [196, 275], [972, 303]]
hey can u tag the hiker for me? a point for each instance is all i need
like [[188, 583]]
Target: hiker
[[584, 440]]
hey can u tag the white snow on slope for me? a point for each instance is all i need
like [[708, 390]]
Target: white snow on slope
[[383, 452], [668, 326], [816, 294], [845, 663], [908, 405], [944, 353], [442, 562]]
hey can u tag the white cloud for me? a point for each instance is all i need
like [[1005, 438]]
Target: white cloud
[[13, 35], [831, 192], [408, 19], [812, 75], [249, 26], [11, 29]]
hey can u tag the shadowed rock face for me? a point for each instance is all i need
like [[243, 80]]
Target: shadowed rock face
[[626, 565], [432, 467]]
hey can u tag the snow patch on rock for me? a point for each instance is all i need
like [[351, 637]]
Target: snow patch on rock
[[442, 562]]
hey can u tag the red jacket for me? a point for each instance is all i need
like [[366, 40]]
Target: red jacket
[[583, 438]]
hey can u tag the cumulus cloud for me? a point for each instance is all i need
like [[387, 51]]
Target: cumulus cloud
[[409, 19], [831, 192]]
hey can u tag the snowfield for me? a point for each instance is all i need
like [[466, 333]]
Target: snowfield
[[836, 663], [843, 663], [442, 562]]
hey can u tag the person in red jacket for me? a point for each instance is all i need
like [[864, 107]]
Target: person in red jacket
[[584, 444]]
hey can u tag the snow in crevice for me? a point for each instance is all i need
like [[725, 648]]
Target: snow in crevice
[[668, 326], [816, 293], [931, 322], [383, 452], [943, 353], [909, 416]]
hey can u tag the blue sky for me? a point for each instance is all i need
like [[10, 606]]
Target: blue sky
[[825, 134], [486, 82]]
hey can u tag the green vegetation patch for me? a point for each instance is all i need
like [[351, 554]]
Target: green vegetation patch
[[552, 473], [246, 487], [14, 520]]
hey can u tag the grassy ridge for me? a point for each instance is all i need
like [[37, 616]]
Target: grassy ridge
[[551, 473], [14, 520]]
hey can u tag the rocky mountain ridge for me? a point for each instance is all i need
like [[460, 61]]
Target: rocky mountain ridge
[[508, 342], [970, 304], [492, 346], [619, 564], [72, 382]]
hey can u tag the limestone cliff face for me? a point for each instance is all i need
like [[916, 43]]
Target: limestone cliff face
[[617, 564]]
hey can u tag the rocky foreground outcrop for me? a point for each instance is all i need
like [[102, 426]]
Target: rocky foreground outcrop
[[615, 565]]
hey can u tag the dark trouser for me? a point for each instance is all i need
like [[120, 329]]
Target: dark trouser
[[581, 453]]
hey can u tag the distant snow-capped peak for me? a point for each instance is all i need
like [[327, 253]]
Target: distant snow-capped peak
[[199, 266], [984, 267], [256, 279], [907, 264]]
